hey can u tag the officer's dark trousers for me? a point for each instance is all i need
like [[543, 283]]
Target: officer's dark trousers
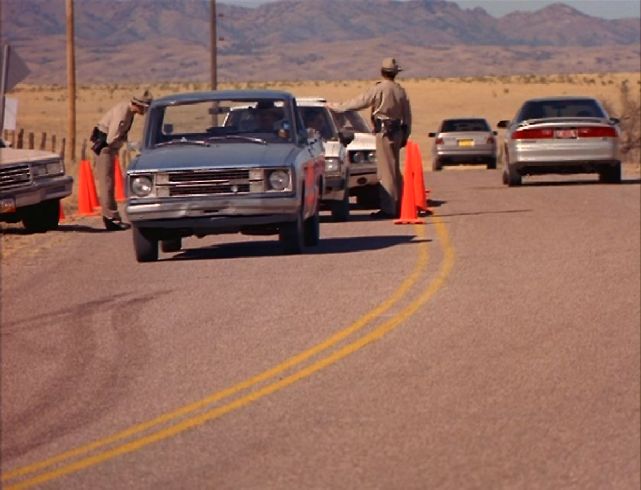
[[105, 167], [388, 150]]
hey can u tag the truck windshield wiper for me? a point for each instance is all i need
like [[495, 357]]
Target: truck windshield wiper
[[182, 141], [253, 139]]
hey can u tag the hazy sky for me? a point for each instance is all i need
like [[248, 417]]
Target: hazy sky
[[609, 9]]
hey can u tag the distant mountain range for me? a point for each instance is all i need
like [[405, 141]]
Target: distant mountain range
[[169, 40]]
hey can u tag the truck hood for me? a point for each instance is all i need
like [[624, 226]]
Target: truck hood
[[11, 156], [216, 155]]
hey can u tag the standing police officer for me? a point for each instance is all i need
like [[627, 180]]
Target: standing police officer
[[392, 118], [109, 135]]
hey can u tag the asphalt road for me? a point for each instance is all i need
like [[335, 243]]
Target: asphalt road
[[495, 346]]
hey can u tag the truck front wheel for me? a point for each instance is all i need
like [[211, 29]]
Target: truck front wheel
[[145, 245], [41, 217]]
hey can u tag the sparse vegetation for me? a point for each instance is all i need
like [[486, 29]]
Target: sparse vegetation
[[629, 113]]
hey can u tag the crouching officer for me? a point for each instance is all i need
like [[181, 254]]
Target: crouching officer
[[107, 138], [392, 118]]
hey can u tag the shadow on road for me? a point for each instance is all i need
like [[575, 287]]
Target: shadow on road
[[565, 183], [480, 213], [18, 230], [338, 245]]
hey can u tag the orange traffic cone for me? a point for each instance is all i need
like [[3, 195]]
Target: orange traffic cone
[[61, 212], [420, 194], [92, 186], [119, 189], [87, 199], [409, 213]]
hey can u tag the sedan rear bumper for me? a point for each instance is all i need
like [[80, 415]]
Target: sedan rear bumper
[[465, 156], [567, 158]]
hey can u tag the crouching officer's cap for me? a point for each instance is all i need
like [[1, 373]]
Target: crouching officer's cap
[[143, 100]]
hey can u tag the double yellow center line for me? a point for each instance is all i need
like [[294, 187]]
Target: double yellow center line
[[173, 423]]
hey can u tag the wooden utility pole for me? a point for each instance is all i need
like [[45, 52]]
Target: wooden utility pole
[[71, 84], [214, 48]]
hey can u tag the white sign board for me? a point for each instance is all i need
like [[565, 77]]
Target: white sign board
[[10, 113]]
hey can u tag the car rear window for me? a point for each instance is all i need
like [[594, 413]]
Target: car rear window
[[462, 125], [560, 108]]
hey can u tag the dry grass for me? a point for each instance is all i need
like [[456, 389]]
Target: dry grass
[[43, 108]]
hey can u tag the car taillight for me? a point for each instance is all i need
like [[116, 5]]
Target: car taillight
[[490, 140], [597, 132], [439, 141], [533, 134]]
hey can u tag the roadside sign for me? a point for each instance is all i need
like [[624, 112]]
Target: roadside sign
[[15, 68], [12, 71]]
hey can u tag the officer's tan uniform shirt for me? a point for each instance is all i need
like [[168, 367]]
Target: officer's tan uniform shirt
[[387, 99], [117, 123]]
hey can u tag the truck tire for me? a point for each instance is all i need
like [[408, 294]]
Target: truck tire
[[340, 209], [312, 229], [292, 235], [145, 245], [171, 245], [41, 217]]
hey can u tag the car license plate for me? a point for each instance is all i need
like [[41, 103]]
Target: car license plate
[[465, 142], [7, 205], [565, 133]]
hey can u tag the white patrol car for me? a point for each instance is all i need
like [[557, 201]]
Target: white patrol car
[[363, 180], [319, 121]]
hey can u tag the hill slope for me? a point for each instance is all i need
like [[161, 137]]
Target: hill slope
[[140, 40]]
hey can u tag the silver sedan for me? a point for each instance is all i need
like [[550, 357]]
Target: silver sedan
[[561, 135], [464, 140]]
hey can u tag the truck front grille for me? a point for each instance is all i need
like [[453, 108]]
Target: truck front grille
[[198, 183], [14, 176]]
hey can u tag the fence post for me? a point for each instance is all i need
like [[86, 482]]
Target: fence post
[[83, 150], [53, 143], [62, 150], [43, 141], [20, 142], [32, 143]]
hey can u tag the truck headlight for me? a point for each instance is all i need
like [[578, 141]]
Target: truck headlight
[[332, 165], [278, 180], [141, 185], [47, 169], [358, 157], [371, 156]]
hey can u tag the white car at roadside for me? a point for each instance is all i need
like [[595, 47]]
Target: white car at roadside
[[319, 119], [363, 180]]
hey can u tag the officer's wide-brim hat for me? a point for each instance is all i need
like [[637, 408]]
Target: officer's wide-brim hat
[[143, 100], [390, 64]]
